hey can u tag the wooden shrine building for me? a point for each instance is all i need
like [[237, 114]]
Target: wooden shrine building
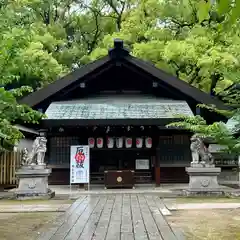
[[120, 105]]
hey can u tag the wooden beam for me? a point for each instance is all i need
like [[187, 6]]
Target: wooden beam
[[103, 122], [89, 78], [39, 96]]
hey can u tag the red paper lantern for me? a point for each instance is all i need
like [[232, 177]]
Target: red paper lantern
[[91, 142], [110, 142], [119, 142], [99, 142], [139, 142], [128, 142], [148, 142]]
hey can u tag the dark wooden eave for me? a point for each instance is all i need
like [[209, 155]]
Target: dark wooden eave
[[116, 56], [180, 85], [105, 122], [36, 97], [26, 130]]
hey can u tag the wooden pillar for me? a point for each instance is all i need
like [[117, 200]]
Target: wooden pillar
[[157, 168]]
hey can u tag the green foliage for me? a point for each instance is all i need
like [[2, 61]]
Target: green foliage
[[221, 133], [52, 37], [217, 132], [11, 113], [230, 9], [203, 10]]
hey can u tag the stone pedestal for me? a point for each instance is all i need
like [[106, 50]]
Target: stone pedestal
[[203, 181], [33, 183]]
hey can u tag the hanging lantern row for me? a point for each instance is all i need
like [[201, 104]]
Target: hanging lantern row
[[119, 142]]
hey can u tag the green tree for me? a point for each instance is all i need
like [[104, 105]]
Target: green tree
[[22, 58], [224, 134], [42, 40], [176, 39], [39, 42]]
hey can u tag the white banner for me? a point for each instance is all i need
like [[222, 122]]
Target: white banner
[[79, 164]]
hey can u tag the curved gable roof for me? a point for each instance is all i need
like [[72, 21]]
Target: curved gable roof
[[119, 53]]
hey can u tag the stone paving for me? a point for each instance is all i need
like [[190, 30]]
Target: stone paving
[[22, 208], [76, 192], [113, 217], [199, 206]]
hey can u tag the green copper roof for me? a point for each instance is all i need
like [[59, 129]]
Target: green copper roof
[[118, 108]]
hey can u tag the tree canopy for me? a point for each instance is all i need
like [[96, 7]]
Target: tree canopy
[[43, 40]]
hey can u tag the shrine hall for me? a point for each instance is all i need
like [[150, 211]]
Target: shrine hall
[[119, 106]]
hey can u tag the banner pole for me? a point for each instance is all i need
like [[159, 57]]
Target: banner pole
[[70, 173], [88, 169]]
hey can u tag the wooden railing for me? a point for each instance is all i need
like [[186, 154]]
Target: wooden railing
[[9, 163], [97, 177], [143, 177]]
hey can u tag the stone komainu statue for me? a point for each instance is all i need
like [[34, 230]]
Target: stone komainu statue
[[200, 153], [25, 157], [37, 155]]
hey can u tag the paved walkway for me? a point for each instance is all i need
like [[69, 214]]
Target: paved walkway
[[113, 217]]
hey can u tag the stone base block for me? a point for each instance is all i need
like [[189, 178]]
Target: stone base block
[[34, 196], [233, 194], [201, 165], [33, 183], [203, 181], [201, 193]]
